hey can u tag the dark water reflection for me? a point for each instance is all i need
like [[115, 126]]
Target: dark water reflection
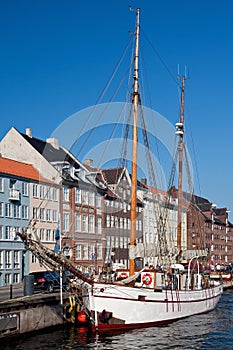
[[209, 331]]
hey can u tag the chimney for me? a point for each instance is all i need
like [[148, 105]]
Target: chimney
[[88, 162], [29, 132], [53, 142]]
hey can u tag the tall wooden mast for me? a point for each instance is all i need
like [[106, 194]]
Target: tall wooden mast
[[135, 100], [180, 133]]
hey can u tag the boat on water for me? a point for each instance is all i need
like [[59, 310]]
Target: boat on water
[[135, 298], [150, 297]]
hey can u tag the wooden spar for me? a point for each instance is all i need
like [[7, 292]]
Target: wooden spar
[[135, 100], [180, 132]]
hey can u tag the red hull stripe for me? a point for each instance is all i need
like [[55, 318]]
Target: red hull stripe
[[123, 326]]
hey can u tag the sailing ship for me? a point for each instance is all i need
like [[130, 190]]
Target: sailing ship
[[146, 297]]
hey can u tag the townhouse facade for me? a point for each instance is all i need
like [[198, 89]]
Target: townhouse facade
[[19, 188], [160, 227], [117, 219], [209, 228]]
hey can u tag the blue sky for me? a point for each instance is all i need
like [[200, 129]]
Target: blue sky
[[56, 57]]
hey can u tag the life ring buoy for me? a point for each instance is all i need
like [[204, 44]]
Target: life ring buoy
[[147, 279], [123, 275]]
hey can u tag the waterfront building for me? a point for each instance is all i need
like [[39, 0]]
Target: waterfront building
[[18, 182], [209, 228], [80, 196], [117, 218]]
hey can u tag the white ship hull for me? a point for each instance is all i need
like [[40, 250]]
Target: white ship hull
[[132, 307]]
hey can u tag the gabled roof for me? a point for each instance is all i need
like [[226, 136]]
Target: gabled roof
[[113, 175], [49, 152], [15, 168]]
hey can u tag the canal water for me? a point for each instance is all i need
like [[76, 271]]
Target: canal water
[[209, 331]]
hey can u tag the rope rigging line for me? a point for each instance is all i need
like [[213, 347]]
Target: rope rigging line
[[90, 133]]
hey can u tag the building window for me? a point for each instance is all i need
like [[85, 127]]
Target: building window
[[77, 195], [66, 222], [24, 212], [121, 222], [1, 209], [92, 198], [35, 191], [8, 259], [34, 213], [16, 259], [42, 234], [92, 251], [91, 224], [85, 197], [66, 193], [16, 211], [16, 278], [34, 259], [48, 235], [1, 259], [8, 210], [1, 184], [7, 278], [8, 232], [48, 215], [85, 252], [25, 189], [85, 223], [99, 225], [78, 223], [55, 194], [42, 217], [1, 232], [41, 192], [78, 252], [99, 251], [54, 215], [121, 242], [108, 221], [98, 200]]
